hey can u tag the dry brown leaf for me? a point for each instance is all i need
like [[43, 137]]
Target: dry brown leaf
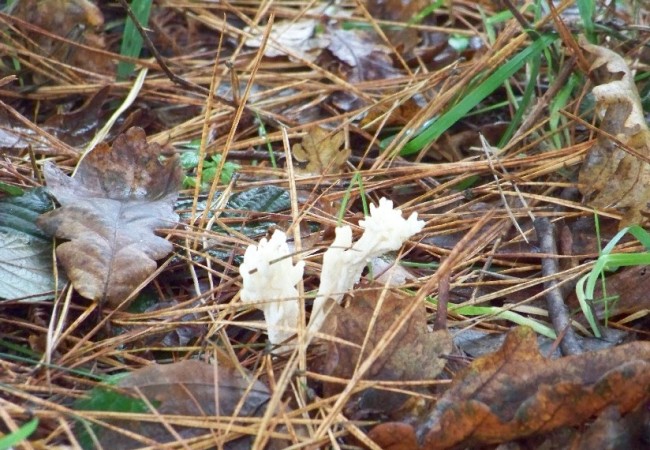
[[397, 116], [110, 209], [611, 176], [611, 431], [404, 11], [79, 20], [321, 151], [626, 291], [79, 126], [361, 57], [515, 392], [190, 388], [414, 354], [357, 49], [299, 37]]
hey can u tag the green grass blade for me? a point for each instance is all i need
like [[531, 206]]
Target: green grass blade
[[22, 433], [587, 8], [511, 316], [642, 235], [584, 305], [478, 94], [523, 104], [131, 39]]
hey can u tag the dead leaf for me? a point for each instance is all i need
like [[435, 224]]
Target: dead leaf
[[79, 126], [414, 354], [404, 39], [401, 115], [355, 48], [610, 176], [110, 209], [321, 151], [192, 389], [79, 20], [361, 58], [611, 431], [394, 436], [626, 293], [299, 37], [515, 392]]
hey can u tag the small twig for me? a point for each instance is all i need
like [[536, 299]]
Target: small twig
[[557, 310], [443, 301]]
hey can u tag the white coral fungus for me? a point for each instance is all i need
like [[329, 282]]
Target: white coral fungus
[[269, 279], [384, 230]]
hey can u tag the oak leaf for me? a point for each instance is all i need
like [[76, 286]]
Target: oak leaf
[[110, 209], [321, 151], [414, 354], [515, 392], [612, 176]]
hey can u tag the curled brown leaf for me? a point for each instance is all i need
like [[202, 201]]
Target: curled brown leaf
[[613, 176]]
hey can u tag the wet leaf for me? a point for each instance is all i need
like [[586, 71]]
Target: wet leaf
[[77, 20], [79, 126], [321, 151], [397, 116], [611, 176], [414, 354], [611, 431], [25, 252], [299, 37], [194, 389], [404, 11], [353, 47], [626, 293], [515, 392], [110, 209], [262, 199], [362, 58]]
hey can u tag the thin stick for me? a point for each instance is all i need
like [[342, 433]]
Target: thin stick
[[163, 65], [557, 310]]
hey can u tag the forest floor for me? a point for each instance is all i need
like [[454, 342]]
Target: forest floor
[[509, 311]]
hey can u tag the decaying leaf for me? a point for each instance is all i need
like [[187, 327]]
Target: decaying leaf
[[321, 151], [626, 293], [110, 209], [80, 125], [356, 50], [414, 354], [404, 39], [361, 58], [73, 127], [296, 36], [199, 391], [610, 175], [25, 252], [611, 431], [75, 20], [515, 392]]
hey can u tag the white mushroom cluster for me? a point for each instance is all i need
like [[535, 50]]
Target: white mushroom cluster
[[269, 282], [269, 276]]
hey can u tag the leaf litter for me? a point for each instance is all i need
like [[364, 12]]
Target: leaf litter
[[383, 76], [611, 175], [109, 211]]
